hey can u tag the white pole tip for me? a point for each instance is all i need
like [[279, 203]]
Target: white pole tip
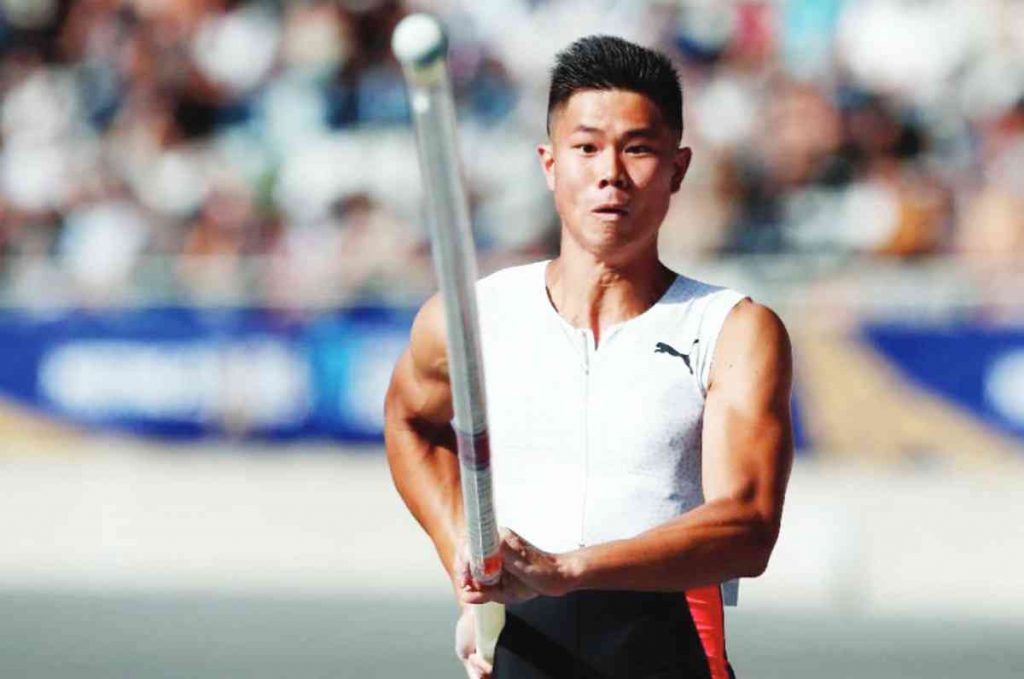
[[419, 41]]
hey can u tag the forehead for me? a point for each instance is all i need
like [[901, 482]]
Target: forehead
[[608, 111]]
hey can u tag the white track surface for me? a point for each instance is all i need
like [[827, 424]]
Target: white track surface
[[116, 515]]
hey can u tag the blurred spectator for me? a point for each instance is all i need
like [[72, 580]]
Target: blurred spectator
[[235, 49], [357, 250], [991, 227], [100, 246], [226, 230], [224, 132]]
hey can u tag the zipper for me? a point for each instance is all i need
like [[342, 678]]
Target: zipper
[[584, 335]]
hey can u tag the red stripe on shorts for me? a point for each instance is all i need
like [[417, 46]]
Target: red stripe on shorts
[[706, 609]]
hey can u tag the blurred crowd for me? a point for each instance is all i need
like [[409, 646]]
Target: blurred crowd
[[233, 149]]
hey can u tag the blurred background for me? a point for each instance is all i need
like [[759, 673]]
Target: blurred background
[[211, 250]]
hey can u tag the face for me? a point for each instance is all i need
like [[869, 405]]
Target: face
[[612, 164]]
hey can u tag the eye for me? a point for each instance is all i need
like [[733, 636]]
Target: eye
[[639, 149], [586, 148]]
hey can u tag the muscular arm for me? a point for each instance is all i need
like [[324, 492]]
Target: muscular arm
[[747, 454], [418, 435]]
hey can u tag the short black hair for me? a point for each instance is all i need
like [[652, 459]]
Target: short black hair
[[603, 62]]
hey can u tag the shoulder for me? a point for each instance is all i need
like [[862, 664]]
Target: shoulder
[[701, 303], [428, 340], [753, 323], [512, 278], [698, 311], [754, 342], [694, 291], [508, 296]]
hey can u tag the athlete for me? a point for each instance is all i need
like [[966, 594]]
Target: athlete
[[640, 426]]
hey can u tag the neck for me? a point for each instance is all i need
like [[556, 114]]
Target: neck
[[591, 292]]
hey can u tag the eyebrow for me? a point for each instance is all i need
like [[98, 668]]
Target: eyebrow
[[641, 132]]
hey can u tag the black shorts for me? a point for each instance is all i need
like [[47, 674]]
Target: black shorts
[[600, 634]]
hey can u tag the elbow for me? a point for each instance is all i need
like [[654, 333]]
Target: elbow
[[757, 564], [763, 533]]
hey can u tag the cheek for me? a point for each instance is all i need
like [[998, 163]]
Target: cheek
[[570, 177], [650, 174], [655, 187]]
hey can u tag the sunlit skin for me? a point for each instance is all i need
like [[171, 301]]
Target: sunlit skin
[[612, 149], [612, 164]]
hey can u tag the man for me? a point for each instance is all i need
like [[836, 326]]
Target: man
[[640, 425]]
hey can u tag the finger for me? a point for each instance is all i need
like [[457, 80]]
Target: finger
[[482, 596], [464, 576], [511, 590], [476, 598], [476, 593], [515, 558], [480, 665], [511, 538]]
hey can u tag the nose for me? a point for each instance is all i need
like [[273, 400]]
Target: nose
[[612, 172]]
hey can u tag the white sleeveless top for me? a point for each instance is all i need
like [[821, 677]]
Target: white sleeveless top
[[595, 444]]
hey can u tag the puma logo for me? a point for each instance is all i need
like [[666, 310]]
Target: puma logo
[[662, 348]]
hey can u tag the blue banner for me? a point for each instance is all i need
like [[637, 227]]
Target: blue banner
[[977, 369], [183, 372]]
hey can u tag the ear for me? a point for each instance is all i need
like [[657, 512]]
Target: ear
[[681, 163], [547, 163]]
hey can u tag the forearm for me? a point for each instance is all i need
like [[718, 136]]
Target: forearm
[[715, 542], [425, 470]]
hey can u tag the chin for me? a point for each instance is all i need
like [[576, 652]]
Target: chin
[[611, 231], [617, 244], [604, 238]]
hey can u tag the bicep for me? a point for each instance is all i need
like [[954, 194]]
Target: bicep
[[419, 391], [416, 395], [747, 432]]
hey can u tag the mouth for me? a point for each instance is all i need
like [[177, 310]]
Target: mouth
[[612, 210]]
